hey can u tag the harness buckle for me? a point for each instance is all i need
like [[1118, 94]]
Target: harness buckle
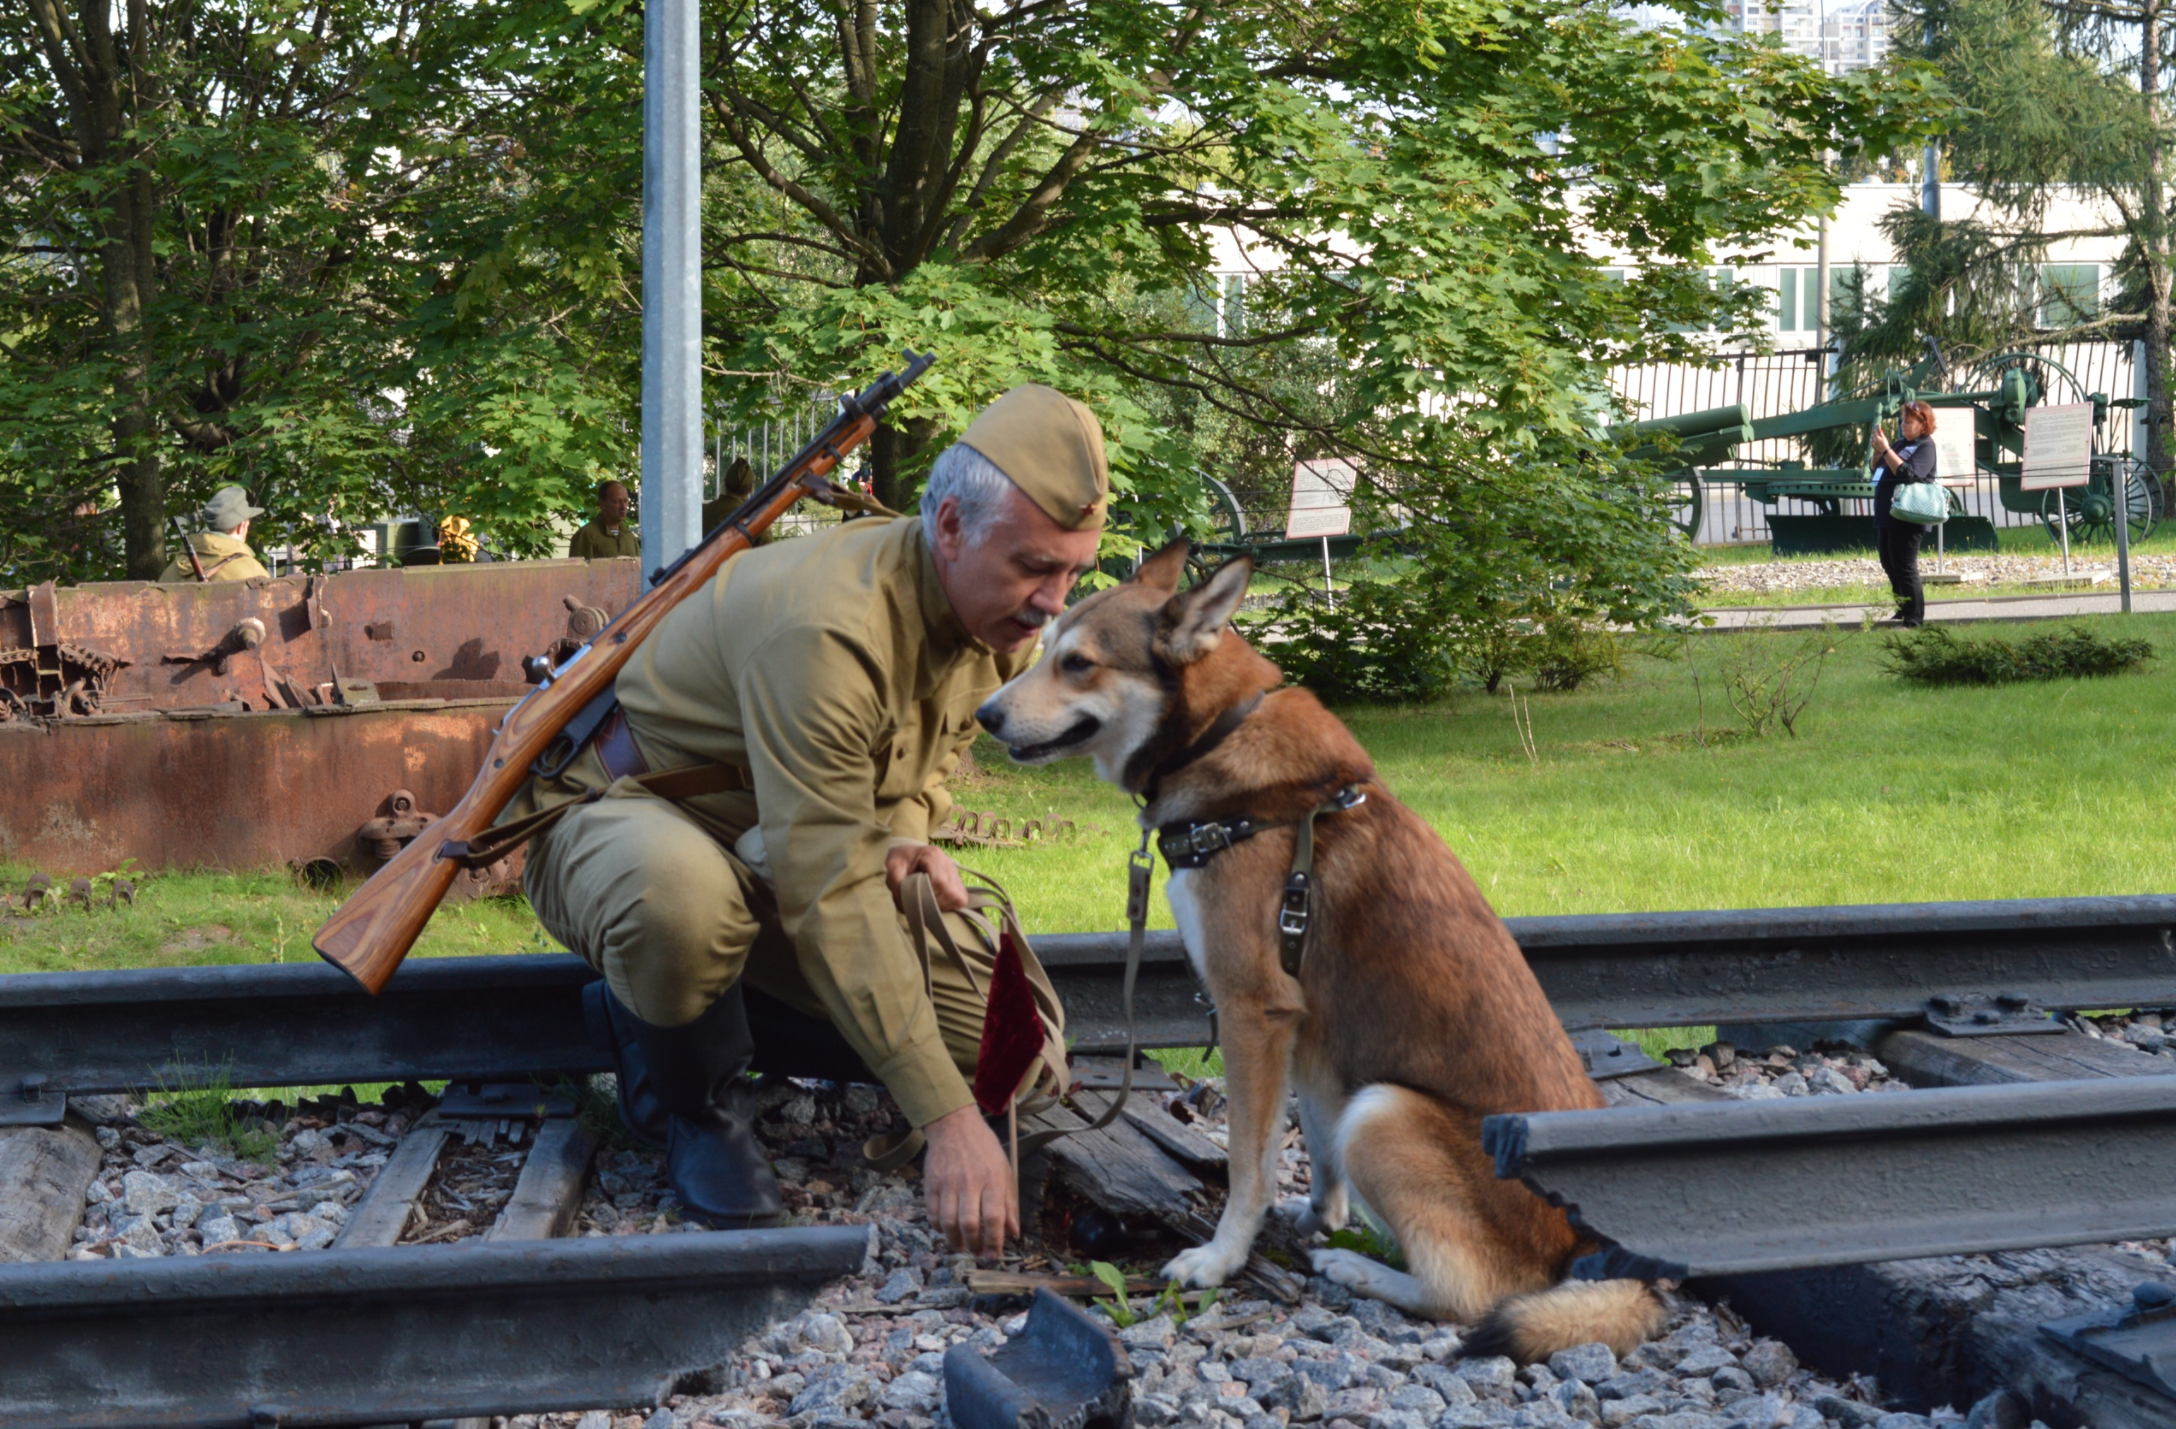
[[1205, 839], [1348, 798], [1292, 916]]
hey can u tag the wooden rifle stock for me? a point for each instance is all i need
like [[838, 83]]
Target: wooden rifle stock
[[374, 929]]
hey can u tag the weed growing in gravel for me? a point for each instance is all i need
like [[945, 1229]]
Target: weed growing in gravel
[[1935, 656], [200, 1110]]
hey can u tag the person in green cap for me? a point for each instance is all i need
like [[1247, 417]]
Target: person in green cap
[[611, 534], [222, 545], [836, 675]]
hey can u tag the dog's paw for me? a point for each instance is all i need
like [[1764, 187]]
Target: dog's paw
[[1206, 1266], [1348, 1268], [1305, 1219]]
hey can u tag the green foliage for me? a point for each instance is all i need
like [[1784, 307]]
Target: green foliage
[[1933, 655], [200, 1110], [1380, 644], [1568, 653], [358, 256], [1120, 1308]]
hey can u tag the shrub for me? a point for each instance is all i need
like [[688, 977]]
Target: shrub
[[1933, 655], [1567, 653], [1381, 645]]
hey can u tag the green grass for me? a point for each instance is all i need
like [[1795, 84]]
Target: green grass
[[202, 1111], [184, 919], [1891, 793], [2016, 541]]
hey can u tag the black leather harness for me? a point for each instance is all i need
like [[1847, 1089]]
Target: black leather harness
[[1188, 845]]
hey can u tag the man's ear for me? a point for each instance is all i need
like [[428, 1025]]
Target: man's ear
[[1194, 622], [1163, 570]]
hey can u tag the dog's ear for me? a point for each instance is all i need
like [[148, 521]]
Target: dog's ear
[[1194, 622], [1163, 570]]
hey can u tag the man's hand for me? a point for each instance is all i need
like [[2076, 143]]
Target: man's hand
[[905, 860], [969, 1182]]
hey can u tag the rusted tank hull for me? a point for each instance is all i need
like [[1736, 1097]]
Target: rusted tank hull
[[228, 791], [139, 725]]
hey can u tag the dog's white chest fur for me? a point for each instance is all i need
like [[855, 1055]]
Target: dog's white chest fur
[[1187, 910]]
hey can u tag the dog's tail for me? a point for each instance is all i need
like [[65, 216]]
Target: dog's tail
[[1621, 1314]]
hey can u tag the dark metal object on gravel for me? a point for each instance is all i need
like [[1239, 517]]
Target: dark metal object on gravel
[[1063, 1370]]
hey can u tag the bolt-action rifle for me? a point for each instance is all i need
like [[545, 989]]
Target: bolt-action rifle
[[374, 929], [189, 548]]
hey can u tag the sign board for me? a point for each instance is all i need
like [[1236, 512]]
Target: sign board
[[1321, 498], [1954, 462], [2058, 446]]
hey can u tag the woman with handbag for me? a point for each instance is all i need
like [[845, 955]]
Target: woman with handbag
[[1912, 460]]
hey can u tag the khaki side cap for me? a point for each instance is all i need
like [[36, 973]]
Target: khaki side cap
[[1052, 448]]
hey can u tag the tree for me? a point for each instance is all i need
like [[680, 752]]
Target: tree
[[1032, 190], [362, 257], [2052, 92]]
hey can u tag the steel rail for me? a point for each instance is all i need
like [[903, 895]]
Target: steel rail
[[1726, 1188], [398, 1334], [519, 1016]]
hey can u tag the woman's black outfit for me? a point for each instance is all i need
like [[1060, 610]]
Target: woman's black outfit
[[1898, 541]]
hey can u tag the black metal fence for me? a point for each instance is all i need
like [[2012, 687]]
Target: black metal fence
[[1774, 383]]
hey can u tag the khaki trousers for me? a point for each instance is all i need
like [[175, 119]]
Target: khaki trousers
[[642, 893]]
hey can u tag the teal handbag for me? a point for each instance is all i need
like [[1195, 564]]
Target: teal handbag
[[1924, 503]]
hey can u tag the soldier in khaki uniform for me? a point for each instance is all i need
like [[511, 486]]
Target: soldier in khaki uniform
[[610, 534], [222, 547], [840, 673]]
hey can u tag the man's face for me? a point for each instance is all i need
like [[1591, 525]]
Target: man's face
[[1012, 580], [612, 505]]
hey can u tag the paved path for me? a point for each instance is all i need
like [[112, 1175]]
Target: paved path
[[1945, 612]]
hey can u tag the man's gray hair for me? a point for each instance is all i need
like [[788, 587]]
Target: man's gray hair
[[974, 481]]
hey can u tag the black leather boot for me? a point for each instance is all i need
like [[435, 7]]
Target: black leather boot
[[611, 1028], [712, 1158]]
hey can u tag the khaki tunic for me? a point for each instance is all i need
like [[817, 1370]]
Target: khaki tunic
[[592, 543], [833, 668], [225, 558]]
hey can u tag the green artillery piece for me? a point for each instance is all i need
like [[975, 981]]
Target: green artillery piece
[[1997, 393]]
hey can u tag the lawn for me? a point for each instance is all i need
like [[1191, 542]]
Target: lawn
[[1888, 793]]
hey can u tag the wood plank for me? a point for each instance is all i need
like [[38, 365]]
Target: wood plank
[[383, 1213], [1186, 1143], [1929, 1059], [1666, 1086], [44, 1173], [548, 1192], [1119, 1168]]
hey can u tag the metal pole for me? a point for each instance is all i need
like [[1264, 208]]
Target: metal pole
[[1329, 593], [672, 294], [1820, 299], [2062, 522], [2123, 530]]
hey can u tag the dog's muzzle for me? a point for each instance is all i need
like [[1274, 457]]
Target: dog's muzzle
[[1083, 729]]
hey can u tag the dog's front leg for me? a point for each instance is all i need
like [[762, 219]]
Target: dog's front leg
[[1257, 1053]]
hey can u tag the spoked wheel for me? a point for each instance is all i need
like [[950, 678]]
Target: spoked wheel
[[1686, 503], [2090, 510]]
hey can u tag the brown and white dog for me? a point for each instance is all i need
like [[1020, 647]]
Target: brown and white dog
[[1414, 1014]]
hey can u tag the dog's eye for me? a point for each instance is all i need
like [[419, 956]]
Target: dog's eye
[[1076, 664]]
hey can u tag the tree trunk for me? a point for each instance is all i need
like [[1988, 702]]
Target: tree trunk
[[2156, 246], [101, 81], [894, 446]]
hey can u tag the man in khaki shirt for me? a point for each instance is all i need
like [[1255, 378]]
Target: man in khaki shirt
[[610, 534], [841, 672], [222, 546]]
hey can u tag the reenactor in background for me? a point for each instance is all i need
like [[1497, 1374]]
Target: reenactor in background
[[222, 546], [738, 484], [834, 677], [609, 535]]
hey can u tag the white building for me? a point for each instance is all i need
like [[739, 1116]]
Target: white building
[[1841, 37]]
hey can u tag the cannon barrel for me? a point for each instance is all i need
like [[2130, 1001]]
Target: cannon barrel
[[1701, 437]]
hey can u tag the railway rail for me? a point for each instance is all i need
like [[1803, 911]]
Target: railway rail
[[372, 1332]]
